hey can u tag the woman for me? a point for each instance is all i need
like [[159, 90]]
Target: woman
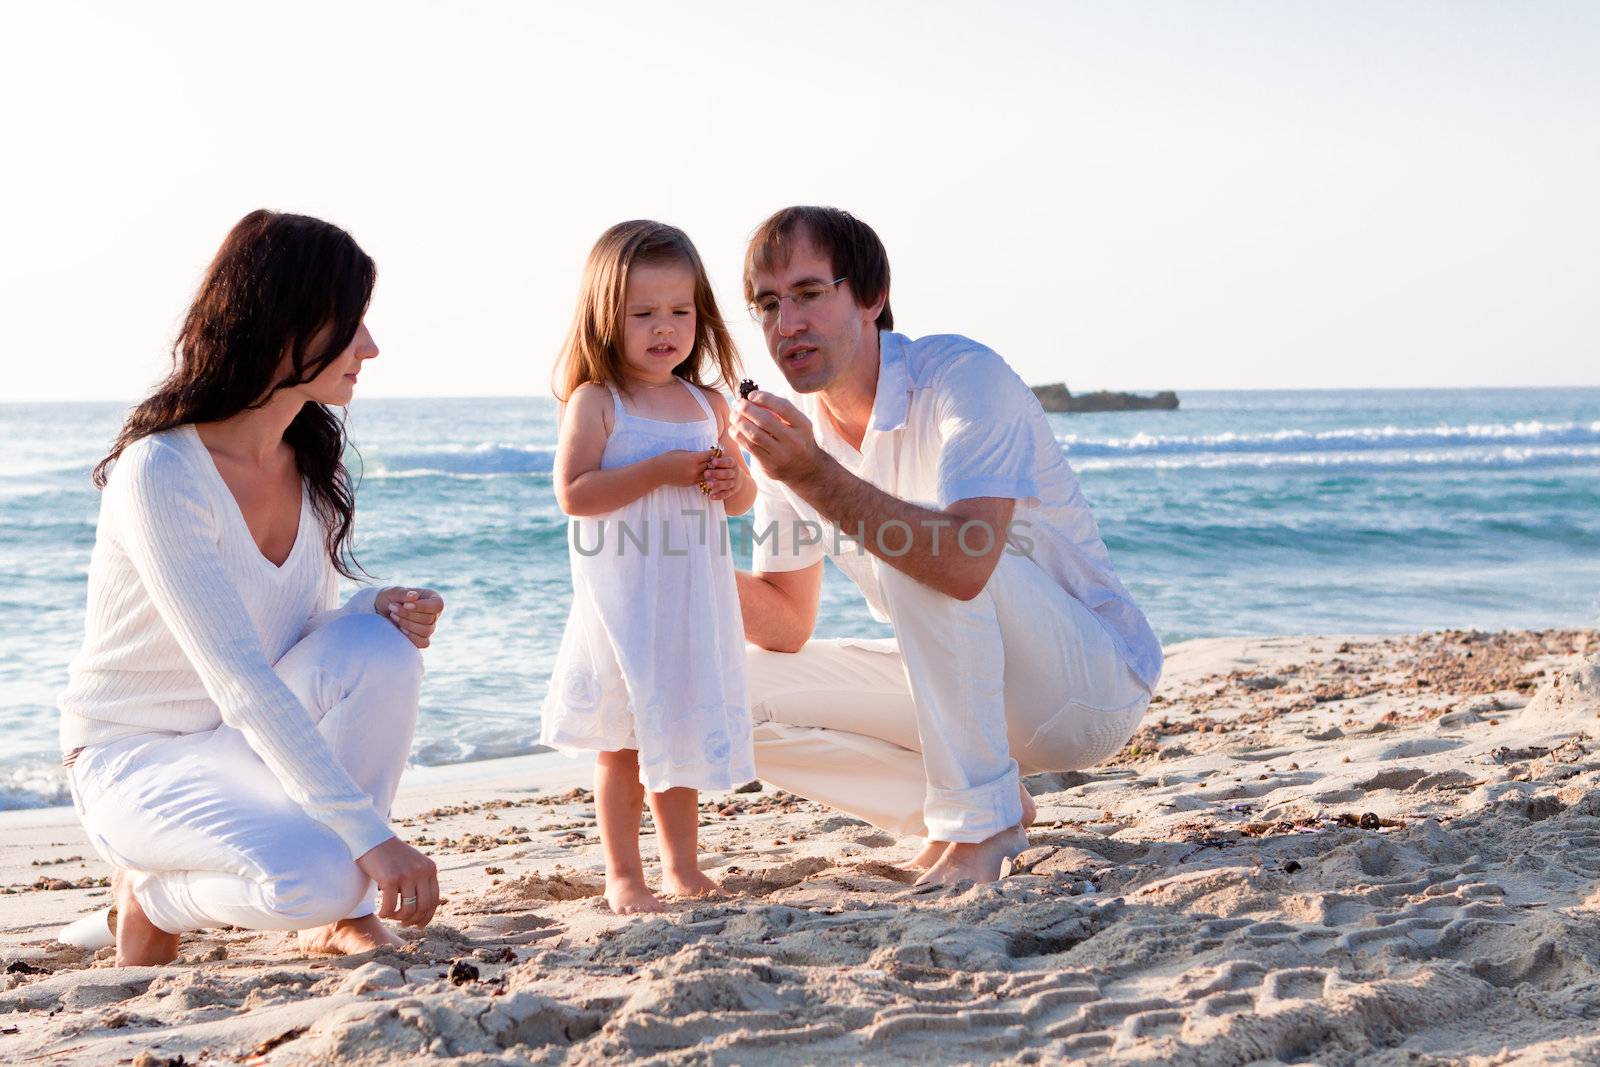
[[235, 737]]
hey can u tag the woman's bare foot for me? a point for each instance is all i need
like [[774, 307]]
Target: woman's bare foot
[[692, 883], [140, 943], [978, 862], [347, 937], [1030, 810], [628, 896]]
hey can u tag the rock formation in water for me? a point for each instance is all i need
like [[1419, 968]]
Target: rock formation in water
[[1057, 397]]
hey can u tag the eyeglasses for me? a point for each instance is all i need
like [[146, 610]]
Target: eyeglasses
[[765, 308]]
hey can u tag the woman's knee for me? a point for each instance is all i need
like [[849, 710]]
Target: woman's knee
[[370, 651], [378, 640], [324, 886]]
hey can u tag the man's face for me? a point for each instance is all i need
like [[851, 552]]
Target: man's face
[[818, 327]]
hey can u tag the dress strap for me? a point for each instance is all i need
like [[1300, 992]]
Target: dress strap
[[616, 399], [700, 399]]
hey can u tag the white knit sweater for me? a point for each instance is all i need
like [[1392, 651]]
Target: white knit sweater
[[186, 618]]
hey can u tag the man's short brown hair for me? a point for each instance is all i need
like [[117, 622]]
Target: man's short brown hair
[[851, 246]]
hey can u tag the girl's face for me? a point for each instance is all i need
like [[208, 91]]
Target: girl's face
[[658, 319]]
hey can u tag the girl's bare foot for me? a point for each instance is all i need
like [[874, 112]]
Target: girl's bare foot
[[140, 943], [677, 823], [934, 850], [628, 896], [347, 937], [693, 883]]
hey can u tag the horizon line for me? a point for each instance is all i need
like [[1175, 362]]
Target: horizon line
[[1083, 392]]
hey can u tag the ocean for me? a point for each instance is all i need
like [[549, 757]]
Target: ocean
[[1240, 513]]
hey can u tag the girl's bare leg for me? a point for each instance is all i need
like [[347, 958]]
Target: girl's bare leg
[[619, 804], [677, 813]]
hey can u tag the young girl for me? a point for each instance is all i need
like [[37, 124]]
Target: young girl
[[651, 668]]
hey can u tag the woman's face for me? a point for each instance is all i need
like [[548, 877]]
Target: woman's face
[[658, 319], [335, 384]]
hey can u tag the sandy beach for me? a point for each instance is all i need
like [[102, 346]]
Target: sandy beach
[[1330, 849]]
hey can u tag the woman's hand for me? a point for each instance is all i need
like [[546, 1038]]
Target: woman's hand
[[414, 612], [408, 882], [682, 467]]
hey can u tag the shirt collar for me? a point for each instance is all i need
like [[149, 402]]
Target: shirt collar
[[894, 383]]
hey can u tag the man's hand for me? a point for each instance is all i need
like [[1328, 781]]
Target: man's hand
[[414, 612], [779, 437], [407, 880], [783, 442]]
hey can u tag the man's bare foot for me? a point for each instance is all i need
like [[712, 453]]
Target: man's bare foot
[[140, 943], [347, 937], [930, 854], [693, 883], [628, 896], [934, 849], [979, 862]]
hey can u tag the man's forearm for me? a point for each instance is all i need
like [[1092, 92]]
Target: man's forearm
[[772, 620], [921, 542]]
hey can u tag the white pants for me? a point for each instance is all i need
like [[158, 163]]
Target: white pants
[[205, 830], [925, 733]]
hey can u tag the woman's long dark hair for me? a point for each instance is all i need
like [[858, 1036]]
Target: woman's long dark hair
[[275, 283]]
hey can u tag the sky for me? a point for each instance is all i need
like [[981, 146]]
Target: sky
[[1124, 196]]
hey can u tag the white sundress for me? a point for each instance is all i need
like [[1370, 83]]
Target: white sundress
[[653, 654]]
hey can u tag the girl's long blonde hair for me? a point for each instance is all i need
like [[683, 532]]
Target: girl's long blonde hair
[[592, 351]]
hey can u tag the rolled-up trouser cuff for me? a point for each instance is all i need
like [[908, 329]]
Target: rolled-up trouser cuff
[[975, 814], [165, 901]]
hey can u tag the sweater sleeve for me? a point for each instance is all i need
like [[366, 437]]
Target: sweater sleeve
[[168, 529]]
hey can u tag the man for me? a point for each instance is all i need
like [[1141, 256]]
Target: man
[[928, 471]]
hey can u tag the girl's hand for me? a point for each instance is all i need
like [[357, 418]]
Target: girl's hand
[[682, 467], [414, 612], [724, 476], [407, 880]]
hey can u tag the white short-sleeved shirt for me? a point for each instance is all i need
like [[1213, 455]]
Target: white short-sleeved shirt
[[952, 421]]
